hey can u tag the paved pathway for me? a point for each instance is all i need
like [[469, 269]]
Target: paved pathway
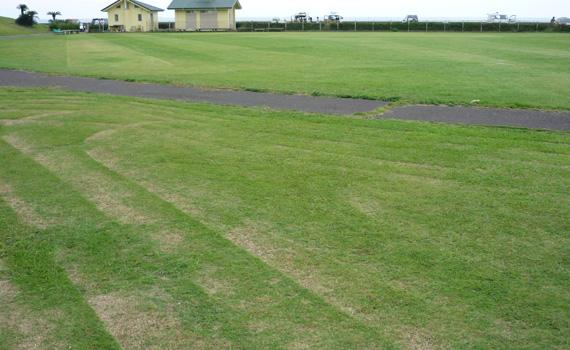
[[525, 118], [224, 97]]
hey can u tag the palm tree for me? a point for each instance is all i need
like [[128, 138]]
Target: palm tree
[[32, 14], [54, 14], [23, 8]]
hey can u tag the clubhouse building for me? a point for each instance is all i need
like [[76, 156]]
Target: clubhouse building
[[205, 15], [132, 16]]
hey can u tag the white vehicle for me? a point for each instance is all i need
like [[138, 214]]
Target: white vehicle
[[333, 17], [410, 19], [563, 21], [499, 18]]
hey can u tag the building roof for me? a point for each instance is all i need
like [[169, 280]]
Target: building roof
[[138, 3], [204, 4]]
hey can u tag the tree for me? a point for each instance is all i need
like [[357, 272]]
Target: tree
[[27, 19], [54, 14], [23, 8]]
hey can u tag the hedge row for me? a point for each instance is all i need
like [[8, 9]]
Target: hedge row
[[63, 25], [404, 27]]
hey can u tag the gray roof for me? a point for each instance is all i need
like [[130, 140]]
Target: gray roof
[[204, 4], [138, 3]]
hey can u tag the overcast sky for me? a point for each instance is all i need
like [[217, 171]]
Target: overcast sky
[[84, 9]]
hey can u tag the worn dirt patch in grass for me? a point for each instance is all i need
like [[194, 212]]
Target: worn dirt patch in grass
[[105, 192], [146, 320], [212, 284], [33, 330], [168, 240], [417, 339], [251, 238], [33, 118], [23, 209]]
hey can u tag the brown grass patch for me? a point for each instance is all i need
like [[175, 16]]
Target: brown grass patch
[[368, 207], [108, 195], [146, 320], [169, 240], [23, 209], [34, 330], [183, 203], [286, 261], [33, 118], [417, 339], [213, 285]]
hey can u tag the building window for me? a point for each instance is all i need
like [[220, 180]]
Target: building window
[[116, 18], [140, 18]]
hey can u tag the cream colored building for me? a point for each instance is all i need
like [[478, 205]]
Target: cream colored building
[[132, 16], [205, 15]]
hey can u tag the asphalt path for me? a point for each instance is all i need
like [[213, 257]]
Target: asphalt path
[[303, 103], [524, 118]]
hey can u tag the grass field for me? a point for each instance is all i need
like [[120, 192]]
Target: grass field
[[8, 27], [506, 70], [157, 224]]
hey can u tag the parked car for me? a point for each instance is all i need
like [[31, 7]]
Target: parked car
[[563, 21], [302, 17], [333, 17], [499, 18], [410, 18]]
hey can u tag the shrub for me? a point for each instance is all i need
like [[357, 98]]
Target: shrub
[[27, 19], [63, 25]]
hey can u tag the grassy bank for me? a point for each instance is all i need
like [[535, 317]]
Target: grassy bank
[[505, 70], [8, 27], [172, 225]]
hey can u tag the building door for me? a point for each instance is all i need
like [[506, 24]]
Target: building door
[[191, 20], [209, 20]]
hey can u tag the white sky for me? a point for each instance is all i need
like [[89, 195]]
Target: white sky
[[84, 9]]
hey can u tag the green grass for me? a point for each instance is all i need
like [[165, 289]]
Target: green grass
[[505, 70], [8, 27], [146, 223]]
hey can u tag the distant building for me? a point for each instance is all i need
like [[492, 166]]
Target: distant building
[[132, 16], [196, 15]]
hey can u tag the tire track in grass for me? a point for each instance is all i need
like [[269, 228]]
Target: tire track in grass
[[137, 316], [25, 211], [40, 308], [221, 286], [257, 305], [99, 187]]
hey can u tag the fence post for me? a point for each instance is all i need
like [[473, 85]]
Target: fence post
[[481, 27], [408, 26], [302, 26], [499, 26], [537, 27], [372, 26], [355, 26], [320, 26], [444, 27], [390, 26], [518, 27], [337, 26], [462, 27], [426, 27], [285, 25], [252, 26]]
